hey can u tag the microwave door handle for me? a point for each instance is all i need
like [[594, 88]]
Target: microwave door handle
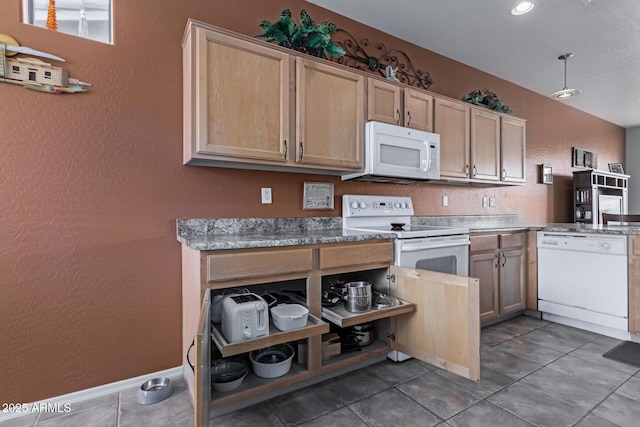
[[412, 248], [426, 162]]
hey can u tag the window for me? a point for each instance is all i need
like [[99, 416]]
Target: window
[[91, 19]]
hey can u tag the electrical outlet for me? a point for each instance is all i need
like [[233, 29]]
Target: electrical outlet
[[445, 200], [266, 196], [492, 202], [485, 202]]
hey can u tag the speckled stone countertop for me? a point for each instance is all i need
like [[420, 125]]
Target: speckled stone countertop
[[475, 223], [624, 230], [234, 233], [237, 233]]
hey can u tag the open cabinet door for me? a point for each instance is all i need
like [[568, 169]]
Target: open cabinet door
[[444, 329], [202, 371]]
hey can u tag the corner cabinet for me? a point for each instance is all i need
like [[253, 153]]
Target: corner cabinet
[[499, 262], [250, 104], [437, 320]]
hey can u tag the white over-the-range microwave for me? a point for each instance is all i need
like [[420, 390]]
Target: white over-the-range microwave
[[399, 155]]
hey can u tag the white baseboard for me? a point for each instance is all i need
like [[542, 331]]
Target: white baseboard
[[93, 392]]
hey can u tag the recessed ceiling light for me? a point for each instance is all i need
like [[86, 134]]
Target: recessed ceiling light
[[522, 8]]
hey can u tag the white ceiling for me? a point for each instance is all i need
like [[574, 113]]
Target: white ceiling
[[603, 35]]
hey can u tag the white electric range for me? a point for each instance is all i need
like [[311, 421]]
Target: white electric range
[[434, 248]]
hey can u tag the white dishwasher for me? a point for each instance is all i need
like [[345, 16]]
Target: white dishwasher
[[582, 281]]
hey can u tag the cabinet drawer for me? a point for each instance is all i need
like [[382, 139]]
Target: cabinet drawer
[[256, 264], [358, 254], [515, 240], [483, 243]]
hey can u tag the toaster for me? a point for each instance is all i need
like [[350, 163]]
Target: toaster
[[244, 317]]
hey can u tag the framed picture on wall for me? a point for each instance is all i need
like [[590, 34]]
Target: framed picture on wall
[[546, 174], [616, 168], [583, 159]]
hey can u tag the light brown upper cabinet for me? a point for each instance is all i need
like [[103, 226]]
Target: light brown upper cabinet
[[478, 145], [236, 98], [513, 138], [393, 104], [485, 145], [330, 115], [253, 105], [451, 121]]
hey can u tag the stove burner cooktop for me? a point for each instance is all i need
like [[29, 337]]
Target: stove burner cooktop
[[384, 214]]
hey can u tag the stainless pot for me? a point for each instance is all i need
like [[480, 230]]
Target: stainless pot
[[364, 334], [358, 297]]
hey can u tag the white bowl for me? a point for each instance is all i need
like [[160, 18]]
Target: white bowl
[[272, 362], [288, 317]]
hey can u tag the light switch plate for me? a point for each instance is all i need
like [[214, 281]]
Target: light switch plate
[[492, 202], [485, 202], [266, 196], [445, 200]]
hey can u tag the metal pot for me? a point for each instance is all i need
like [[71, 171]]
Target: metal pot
[[364, 334], [358, 297]]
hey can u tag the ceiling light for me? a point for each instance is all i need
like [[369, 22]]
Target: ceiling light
[[565, 93], [522, 8]]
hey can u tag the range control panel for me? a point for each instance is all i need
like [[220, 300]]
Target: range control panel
[[354, 206]]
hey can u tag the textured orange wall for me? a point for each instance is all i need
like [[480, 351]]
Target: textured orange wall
[[91, 184]]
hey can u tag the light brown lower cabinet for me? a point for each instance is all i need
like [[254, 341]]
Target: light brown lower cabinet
[[437, 322], [499, 262]]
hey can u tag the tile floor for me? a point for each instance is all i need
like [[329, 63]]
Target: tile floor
[[533, 373]]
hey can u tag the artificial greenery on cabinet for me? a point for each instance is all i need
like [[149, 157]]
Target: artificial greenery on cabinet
[[303, 36], [488, 99]]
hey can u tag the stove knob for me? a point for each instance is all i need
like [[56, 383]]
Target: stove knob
[[246, 333], [403, 205], [362, 205], [397, 205], [354, 205], [408, 205]]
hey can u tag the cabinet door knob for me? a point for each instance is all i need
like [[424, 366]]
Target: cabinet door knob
[[504, 173], [497, 257], [504, 259], [475, 171], [409, 114], [301, 150], [284, 153], [466, 170]]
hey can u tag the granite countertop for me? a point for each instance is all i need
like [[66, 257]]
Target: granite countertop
[[234, 233], [238, 233]]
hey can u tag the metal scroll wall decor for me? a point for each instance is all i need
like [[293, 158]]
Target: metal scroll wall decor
[[359, 56]]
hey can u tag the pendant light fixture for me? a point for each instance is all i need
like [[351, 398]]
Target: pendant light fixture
[[522, 7], [565, 93]]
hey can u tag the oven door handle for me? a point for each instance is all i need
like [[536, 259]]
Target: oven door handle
[[412, 248]]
